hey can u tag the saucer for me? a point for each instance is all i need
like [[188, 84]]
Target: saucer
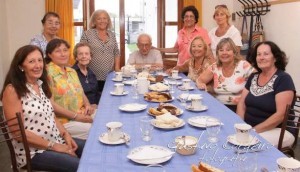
[[177, 78], [189, 107], [103, 138], [232, 139], [123, 94], [114, 79], [133, 107], [182, 88]]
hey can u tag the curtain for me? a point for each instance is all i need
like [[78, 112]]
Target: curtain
[[64, 8]]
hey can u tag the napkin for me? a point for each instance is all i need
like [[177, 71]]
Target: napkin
[[202, 121], [150, 152], [167, 120]]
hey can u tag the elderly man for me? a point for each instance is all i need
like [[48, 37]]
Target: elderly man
[[146, 55]]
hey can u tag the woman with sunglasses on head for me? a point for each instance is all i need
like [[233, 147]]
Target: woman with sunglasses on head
[[190, 30], [224, 29], [51, 25]]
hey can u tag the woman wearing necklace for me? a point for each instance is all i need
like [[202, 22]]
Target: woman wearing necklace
[[88, 80], [229, 74], [199, 60], [51, 25], [224, 29], [190, 29], [267, 92]]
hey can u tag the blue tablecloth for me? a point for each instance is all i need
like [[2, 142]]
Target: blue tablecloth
[[111, 158]]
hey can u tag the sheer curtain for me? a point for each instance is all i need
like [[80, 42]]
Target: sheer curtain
[[64, 8]]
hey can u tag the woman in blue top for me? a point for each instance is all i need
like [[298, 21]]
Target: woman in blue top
[[88, 80], [267, 92]]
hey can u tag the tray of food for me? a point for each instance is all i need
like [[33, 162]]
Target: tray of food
[[165, 108], [160, 97]]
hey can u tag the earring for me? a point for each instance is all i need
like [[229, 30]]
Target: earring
[[22, 69]]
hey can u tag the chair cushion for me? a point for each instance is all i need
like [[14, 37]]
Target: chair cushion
[[272, 136]]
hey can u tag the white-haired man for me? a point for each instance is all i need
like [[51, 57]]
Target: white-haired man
[[146, 55]]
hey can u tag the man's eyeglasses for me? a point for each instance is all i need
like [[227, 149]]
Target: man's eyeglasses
[[222, 6]]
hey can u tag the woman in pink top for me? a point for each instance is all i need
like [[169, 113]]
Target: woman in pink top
[[190, 17]]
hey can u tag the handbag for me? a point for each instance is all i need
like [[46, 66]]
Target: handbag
[[258, 33], [244, 35]]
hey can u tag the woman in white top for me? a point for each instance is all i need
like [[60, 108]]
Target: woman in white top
[[229, 74], [224, 29]]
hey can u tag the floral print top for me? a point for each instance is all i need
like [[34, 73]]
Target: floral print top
[[66, 90], [228, 89]]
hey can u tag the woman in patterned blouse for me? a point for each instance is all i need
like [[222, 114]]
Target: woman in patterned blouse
[[229, 74], [67, 90], [199, 60], [106, 54], [26, 90]]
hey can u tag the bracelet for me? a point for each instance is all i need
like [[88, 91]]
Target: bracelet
[[50, 145], [75, 116]]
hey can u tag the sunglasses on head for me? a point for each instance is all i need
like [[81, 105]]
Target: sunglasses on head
[[222, 5]]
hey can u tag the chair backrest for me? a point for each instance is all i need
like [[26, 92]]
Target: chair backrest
[[291, 120], [14, 129]]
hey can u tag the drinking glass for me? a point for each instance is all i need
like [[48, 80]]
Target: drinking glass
[[183, 97], [134, 90], [213, 126], [133, 74], [155, 168], [172, 84], [248, 162], [146, 127]]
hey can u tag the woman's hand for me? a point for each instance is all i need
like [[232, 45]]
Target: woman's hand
[[70, 142], [88, 110], [201, 86], [63, 148], [84, 118]]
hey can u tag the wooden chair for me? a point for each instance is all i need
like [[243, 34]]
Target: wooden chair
[[290, 113], [18, 132]]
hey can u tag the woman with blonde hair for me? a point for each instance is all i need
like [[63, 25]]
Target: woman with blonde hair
[[229, 74], [224, 29], [104, 47], [199, 60]]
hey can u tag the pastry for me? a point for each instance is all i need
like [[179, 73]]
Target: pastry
[[204, 167]]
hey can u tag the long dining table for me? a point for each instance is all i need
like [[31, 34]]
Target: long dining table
[[102, 157]]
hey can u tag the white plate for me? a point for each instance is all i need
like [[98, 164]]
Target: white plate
[[153, 122], [180, 112], [188, 107], [133, 107], [150, 154], [181, 88], [129, 82], [179, 77], [114, 79], [232, 139], [123, 94], [198, 121], [103, 138], [161, 101]]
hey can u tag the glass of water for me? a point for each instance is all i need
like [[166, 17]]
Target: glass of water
[[146, 127], [155, 168], [172, 84], [134, 90], [213, 127], [183, 97]]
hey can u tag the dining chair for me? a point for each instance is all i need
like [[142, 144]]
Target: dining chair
[[14, 129], [292, 121]]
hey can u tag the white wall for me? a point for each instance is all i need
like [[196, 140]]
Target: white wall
[[20, 20]]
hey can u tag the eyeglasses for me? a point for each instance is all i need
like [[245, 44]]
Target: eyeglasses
[[144, 45], [189, 16], [221, 6]]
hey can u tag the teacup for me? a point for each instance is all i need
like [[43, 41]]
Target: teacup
[[118, 76], [186, 145], [114, 131], [174, 74], [242, 132], [146, 68], [186, 83], [119, 89], [196, 102], [286, 164]]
